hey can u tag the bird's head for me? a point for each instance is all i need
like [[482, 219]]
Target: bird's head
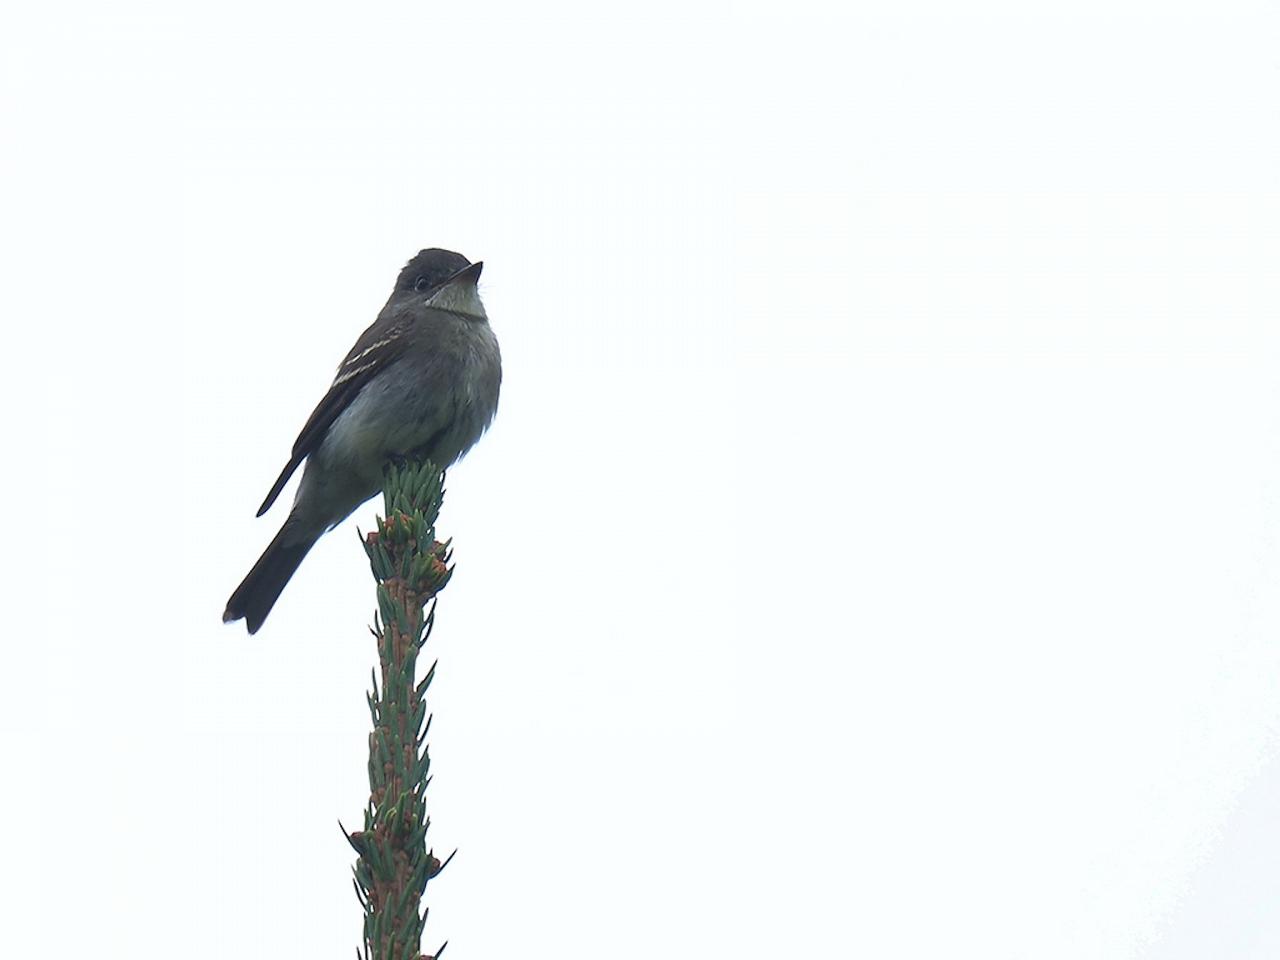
[[441, 278]]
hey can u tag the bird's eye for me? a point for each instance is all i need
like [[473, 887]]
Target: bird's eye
[[422, 284]]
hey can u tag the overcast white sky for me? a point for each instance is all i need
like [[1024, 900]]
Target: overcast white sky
[[877, 551]]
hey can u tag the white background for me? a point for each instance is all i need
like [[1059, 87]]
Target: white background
[[875, 554]]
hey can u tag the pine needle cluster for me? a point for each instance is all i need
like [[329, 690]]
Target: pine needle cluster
[[395, 864]]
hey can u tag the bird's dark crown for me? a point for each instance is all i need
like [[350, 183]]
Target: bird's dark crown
[[429, 269]]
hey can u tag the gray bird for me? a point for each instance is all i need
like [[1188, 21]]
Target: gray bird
[[422, 380]]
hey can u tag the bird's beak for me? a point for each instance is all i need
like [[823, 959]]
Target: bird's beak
[[468, 274]]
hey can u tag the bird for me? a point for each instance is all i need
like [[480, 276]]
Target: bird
[[422, 380]]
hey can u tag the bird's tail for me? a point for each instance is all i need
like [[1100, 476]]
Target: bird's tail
[[258, 593]]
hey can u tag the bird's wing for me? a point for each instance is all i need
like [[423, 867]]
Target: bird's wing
[[377, 349]]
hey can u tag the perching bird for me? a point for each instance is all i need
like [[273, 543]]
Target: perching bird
[[422, 380]]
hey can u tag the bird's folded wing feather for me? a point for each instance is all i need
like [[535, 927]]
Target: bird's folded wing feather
[[377, 349]]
